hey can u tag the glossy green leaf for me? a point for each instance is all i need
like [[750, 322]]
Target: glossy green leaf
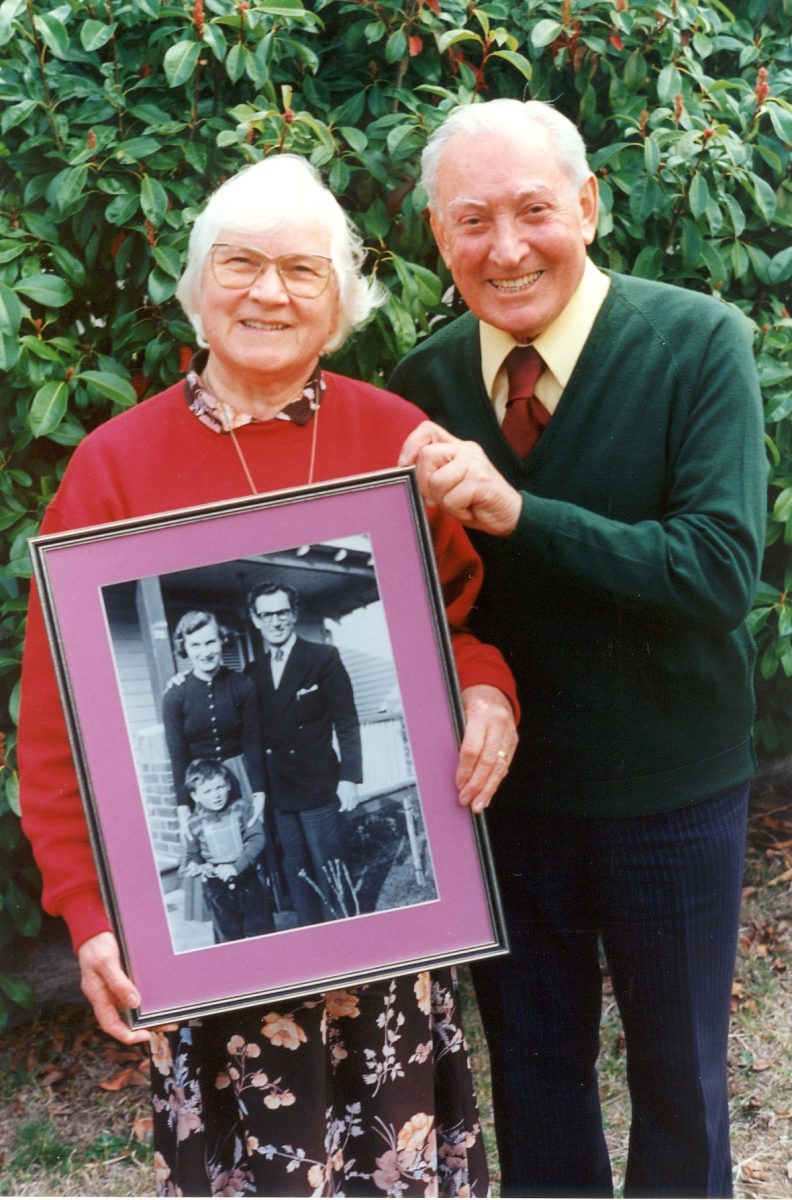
[[53, 34], [780, 269], [765, 196], [545, 32], [652, 154], [95, 34], [153, 199], [17, 990], [9, 350], [452, 36], [10, 310], [112, 387], [67, 187], [9, 12], [396, 46], [15, 114], [669, 84], [698, 195], [121, 209], [48, 290], [180, 62], [635, 70], [49, 407], [519, 61], [70, 265], [235, 63]]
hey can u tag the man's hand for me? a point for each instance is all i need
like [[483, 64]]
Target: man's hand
[[107, 988], [347, 795], [257, 804], [459, 477], [225, 871], [487, 747], [177, 680]]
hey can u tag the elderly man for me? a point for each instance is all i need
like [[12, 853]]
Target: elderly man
[[602, 435], [306, 696]]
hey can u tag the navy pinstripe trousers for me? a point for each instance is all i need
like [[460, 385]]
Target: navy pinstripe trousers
[[661, 895]]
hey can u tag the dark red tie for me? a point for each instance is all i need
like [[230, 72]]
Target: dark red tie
[[526, 416]]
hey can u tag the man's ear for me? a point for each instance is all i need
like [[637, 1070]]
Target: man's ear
[[438, 229], [589, 208]]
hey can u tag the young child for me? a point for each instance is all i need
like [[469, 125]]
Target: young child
[[223, 848]]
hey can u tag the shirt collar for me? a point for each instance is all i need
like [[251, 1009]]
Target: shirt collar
[[221, 418], [286, 647], [560, 345]]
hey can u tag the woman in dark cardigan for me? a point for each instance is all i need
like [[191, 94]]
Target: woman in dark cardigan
[[212, 712]]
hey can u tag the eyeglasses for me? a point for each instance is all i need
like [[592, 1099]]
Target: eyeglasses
[[282, 614], [303, 275]]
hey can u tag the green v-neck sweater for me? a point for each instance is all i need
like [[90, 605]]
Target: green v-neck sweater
[[620, 598]]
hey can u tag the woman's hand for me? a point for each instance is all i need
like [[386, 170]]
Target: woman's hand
[[107, 988], [487, 747]]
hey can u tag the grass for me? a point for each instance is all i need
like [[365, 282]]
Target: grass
[[62, 1134]]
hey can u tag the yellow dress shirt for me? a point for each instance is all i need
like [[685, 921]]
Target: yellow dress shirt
[[560, 344]]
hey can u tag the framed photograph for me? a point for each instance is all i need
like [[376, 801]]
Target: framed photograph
[[265, 720]]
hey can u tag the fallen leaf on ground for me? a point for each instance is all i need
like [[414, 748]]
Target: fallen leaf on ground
[[129, 1077], [52, 1076], [122, 1054], [756, 1174], [762, 1064], [143, 1130]]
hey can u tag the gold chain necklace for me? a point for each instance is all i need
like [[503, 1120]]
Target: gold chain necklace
[[224, 411]]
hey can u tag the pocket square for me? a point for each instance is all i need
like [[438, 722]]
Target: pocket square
[[305, 691]]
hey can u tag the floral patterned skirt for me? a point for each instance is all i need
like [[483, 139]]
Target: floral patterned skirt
[[363, 1092]]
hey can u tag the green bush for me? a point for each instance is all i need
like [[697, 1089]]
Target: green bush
[[119, 116]]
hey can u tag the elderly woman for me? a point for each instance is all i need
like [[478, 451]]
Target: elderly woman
[[272, 1102]]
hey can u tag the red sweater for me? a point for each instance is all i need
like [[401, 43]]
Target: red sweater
[[159, 456]]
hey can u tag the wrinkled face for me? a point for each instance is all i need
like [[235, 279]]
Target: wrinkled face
[[204, 649], [274, 617], [211, 793], [261, 337], [511, 227]]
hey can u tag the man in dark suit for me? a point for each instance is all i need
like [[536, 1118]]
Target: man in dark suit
[[306, 696]]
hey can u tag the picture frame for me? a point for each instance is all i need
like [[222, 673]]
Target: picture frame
[[415, 888]]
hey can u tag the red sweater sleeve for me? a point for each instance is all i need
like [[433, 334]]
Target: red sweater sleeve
[[52, 813], [461, 574]]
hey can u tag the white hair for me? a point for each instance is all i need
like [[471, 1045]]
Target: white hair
[[493, 117], [282, 189]]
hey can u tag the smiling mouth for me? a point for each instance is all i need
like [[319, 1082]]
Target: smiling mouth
[[269, 326], [515, 285]]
